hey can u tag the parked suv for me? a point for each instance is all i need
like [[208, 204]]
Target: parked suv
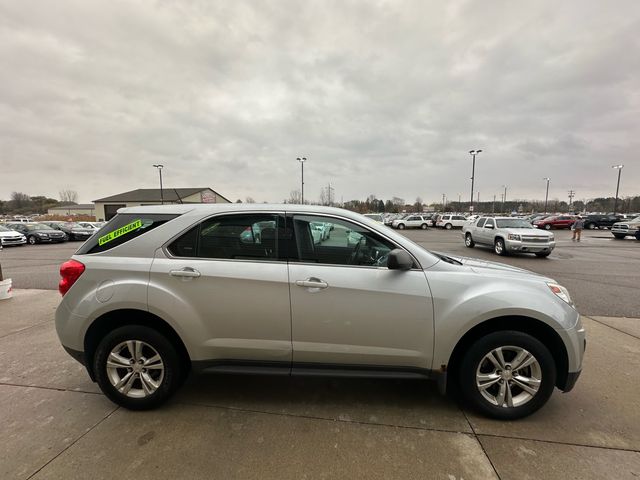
[[601, 221], [627, 229], [448, 221], [162, 290], [506, 234], [411, 221]]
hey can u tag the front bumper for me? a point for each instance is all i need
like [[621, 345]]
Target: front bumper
[[531, 247], [7, 242]]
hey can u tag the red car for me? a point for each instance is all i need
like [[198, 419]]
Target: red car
[[557, 221]]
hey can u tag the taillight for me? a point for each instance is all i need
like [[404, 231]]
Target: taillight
[[70, 271]]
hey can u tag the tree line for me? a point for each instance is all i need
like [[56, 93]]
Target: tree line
[[23, 204]]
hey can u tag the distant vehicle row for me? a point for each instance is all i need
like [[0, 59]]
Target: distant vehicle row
[[19, 233]]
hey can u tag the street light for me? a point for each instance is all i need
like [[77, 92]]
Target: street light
[[302, 160], [504, 200], [473, 153], [546, 197], [615, 203], [160, 167]]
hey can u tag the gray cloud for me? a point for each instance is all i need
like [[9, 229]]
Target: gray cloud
[[382, 97]]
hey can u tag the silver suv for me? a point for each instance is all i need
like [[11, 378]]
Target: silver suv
[[163, 290], [508, 234]]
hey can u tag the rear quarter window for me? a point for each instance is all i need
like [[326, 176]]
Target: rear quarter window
[[121, 229]]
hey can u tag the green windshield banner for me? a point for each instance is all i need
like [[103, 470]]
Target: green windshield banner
[[119, 232]]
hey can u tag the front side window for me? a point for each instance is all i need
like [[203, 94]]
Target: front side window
[[231, 237], [335, 241], [481, 222], [489, 223]]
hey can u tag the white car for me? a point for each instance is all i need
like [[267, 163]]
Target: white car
[[11, 237], [449, 221], [410, 221]]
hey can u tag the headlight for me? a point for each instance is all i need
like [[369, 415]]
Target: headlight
[[551, 237], [561, 292], [513, 236], [43, 235]]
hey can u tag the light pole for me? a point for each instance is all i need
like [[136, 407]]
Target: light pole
[[302, 160], [615, 203], [546, 197], [160, 167], [473, 153], [504, 199]]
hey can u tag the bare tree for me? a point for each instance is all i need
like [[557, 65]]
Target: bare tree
[[324, 196], [418, 205], [295, 197], [249, 200], [20, 199], [68, 196]]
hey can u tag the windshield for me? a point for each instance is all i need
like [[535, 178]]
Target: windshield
[[513, 223], [4, 229], [38, 226]]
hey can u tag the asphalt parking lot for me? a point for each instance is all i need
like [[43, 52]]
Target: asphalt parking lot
[[55, 423]]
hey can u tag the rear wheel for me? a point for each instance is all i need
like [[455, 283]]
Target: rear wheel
[[547, 226], [499, 247], [591, 225], [423, 226], [507, 375], [448, 226], [137, 367], [401, 226], [468, 241]]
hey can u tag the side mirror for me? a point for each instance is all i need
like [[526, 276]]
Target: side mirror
[[399, 260], [490, 227]]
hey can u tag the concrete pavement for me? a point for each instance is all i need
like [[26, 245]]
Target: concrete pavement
[[54, 423]]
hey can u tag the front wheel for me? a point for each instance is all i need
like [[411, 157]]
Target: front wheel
[[32, 240], [423, 226], [507, 375], [401, 226], [499, 247], [547, 226], [591, 226], [468, 241], [448, 226], [137, 367]]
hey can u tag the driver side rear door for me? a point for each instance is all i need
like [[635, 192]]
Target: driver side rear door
[[347, 308]]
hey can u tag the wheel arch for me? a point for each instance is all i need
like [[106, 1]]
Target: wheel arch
[[109, 321], [536, 328]]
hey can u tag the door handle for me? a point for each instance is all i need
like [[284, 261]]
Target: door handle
[[312, 283], [186, 272]]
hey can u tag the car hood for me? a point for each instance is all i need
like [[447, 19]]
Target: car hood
[[487, 267], [527, 231], [12, 233]]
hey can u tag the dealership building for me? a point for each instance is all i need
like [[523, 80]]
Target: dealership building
[[106, 208], [73, 209]]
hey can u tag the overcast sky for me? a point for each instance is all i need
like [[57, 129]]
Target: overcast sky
[[383, 98]]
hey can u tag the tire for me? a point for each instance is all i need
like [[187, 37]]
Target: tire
[[511, 344], [448, 226], [32, 240], [591, 226], [547, 226], [619, 236], [468, 241], [423, 226], [401, 226], [167, 378], [542, 254], [499, 247]]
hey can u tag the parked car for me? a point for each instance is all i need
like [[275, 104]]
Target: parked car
[[163, 290], [601, 221], [449, 221], [507, 235], [72, 230], [411, 221], [9, 237], [38, 233], [555, 221], [626, 229]]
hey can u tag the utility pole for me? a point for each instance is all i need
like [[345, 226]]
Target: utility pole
[[504, 199], [329, 188], [615, 203], [493, 210], [571, 194], [443, 202]]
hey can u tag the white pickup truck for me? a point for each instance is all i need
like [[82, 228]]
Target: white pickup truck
[[506, 234]]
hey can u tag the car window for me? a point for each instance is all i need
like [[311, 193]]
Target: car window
[[489, 222], [231, 237], [458, 217], [481, 222], [122, 228], [339, 242]]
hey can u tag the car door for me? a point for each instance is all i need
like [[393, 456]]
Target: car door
[[477, 230], [488, 231], [224, 279], [348, 308]]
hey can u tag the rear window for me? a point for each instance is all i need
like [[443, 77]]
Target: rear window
[[122, 228]]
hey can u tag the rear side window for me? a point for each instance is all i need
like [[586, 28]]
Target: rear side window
[[122, 228], [232, 237]]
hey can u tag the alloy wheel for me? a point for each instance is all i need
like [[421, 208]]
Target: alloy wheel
[[508, 376], [135, 369]]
